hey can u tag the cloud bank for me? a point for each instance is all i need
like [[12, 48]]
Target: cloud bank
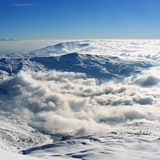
[[66, 102]]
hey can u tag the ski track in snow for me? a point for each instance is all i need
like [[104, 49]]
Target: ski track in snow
[[90, 99]]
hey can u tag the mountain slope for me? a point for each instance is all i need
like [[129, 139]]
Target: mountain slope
[[96, 66], [16, 134], [58, 49]]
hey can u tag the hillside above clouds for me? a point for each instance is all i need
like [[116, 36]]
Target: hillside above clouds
[[61, 57]]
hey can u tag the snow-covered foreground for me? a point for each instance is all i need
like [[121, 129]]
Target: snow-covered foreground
[[8, 155], [93, 99], [5, 155]]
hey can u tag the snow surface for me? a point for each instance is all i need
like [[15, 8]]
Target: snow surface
[[5, 155], [90, 99], [12, 156]]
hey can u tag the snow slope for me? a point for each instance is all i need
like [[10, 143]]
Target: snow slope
[[93, 99], [93, 65], [96, 66], [8, 155], [5, 155], [17, 134], [107, 146]]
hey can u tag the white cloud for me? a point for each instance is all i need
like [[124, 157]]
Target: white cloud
[[68, 102]]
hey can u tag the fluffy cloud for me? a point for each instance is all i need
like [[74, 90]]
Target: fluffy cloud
[[68, 102], [148, 81]]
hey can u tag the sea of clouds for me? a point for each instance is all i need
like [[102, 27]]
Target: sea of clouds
[[67, 102]]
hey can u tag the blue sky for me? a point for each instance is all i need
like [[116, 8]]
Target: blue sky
[[79, 19]]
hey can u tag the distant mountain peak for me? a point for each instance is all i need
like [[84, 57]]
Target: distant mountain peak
[[3, 39]]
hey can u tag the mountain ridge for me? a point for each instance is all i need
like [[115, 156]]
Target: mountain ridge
[[95, 66]]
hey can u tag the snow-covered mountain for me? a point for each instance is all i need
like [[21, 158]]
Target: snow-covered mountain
[[7, 39], [93, 99], [60, 48], [95, 66], [58, 57]]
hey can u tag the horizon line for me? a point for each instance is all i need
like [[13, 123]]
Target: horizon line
[[11, 40]]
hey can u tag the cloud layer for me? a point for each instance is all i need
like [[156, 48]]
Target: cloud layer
[[65, 102]]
